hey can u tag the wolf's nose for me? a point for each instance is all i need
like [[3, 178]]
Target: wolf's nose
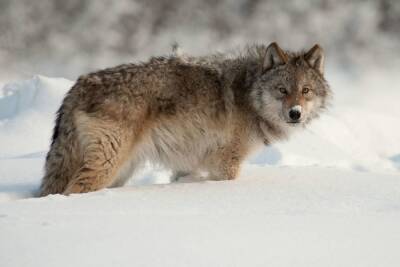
[[294, 114]]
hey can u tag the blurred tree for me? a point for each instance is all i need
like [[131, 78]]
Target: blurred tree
[[390, 16], [66, 38]]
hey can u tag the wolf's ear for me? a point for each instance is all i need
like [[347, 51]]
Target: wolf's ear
[[274, 56], [315, 57]]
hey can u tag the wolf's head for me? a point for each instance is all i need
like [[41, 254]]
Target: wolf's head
[[290, 87]]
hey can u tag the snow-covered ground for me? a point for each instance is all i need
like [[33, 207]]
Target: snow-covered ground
[[328, 197]]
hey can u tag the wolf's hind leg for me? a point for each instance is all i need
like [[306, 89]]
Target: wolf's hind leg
[[105, 146], [62, 160], [60, 164]]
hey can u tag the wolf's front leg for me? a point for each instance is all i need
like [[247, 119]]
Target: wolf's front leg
[[226, 171], [225, 163]]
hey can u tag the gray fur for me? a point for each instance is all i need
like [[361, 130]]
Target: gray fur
[[185, 113]]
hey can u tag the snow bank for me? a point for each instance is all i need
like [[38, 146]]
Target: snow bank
[[27, 114], [330, 196], [292, 216]]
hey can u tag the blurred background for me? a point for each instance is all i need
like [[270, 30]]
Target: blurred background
[[67, 38]]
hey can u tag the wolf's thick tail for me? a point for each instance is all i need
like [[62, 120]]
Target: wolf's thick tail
[[61, 160]]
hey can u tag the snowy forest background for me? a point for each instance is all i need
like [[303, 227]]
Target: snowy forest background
[[67, 38]]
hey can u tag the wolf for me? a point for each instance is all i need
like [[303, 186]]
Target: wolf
[[187, 114]]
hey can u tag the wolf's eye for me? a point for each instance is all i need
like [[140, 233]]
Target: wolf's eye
[[306, 90], [283, 90]]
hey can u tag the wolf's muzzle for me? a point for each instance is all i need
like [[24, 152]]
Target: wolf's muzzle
[[295, 113]]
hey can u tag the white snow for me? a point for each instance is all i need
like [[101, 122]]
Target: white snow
[[328, 197]]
